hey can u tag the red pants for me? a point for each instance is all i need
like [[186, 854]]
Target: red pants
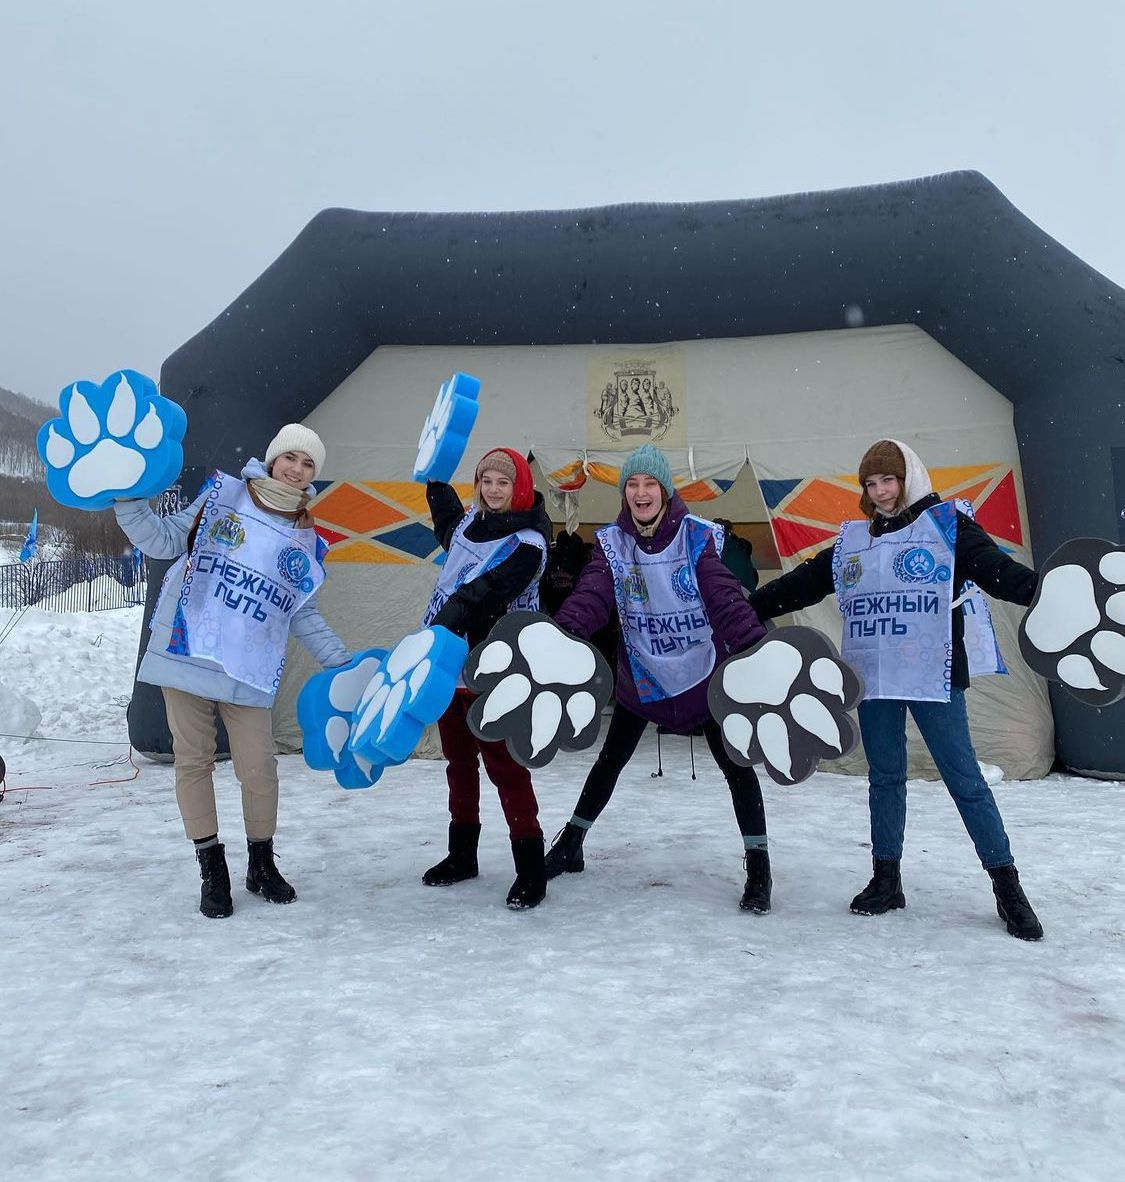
[[513, 782]]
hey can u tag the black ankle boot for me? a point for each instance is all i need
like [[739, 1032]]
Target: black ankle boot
[[1012, 905], [214, 895], [262, 876], [759, 882], [462, 860], [530, 887], [565, 854], [884, 892]]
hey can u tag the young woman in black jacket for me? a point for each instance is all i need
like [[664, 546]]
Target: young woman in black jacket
[[496, 553], [900, 581]]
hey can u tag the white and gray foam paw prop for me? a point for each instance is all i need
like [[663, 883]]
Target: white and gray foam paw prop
[[411, 689], [1074, 631], [540, 688], [324, 711], [785, 703], [120, 440], [445, 433]]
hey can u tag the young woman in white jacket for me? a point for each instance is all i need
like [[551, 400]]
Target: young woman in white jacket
[[249, 566]]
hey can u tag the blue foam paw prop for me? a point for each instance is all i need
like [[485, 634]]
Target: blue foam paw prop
[[445, 434], [411, 689], [324, 711], [120, 440]]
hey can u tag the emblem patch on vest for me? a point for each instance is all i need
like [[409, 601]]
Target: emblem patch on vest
[[294, 565], [228, 531], [464, 573], [684, 585], [918, 565], [635, 587], [852, 572]]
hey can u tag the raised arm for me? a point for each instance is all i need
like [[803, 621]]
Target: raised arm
[[158, 537], [446, 510]]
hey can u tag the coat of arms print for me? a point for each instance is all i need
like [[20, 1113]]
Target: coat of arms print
[[635, 400]]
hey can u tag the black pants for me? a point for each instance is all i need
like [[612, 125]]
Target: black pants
[[625, 731]]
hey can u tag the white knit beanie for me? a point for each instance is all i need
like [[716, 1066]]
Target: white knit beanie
[[296, 437]]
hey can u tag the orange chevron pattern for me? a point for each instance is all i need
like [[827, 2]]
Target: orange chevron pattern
[[811, 512], [377, 521]]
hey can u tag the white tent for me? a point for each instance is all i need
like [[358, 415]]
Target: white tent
[[764, 429]]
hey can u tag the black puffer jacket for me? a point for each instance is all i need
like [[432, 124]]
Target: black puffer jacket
[[474, 607], [977, 558]]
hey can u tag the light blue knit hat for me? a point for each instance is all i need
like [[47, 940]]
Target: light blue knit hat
[[647, 461]]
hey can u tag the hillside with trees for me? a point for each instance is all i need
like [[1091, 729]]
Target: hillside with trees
[[63, 531]]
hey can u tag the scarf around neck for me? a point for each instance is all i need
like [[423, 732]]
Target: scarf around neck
[[279, 497], [648, 530]]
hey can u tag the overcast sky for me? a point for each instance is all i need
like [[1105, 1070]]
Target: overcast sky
[[155, 158]]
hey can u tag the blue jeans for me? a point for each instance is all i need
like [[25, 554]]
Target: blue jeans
[[945, 730]]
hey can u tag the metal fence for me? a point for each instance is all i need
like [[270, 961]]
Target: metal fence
[[97, 583]]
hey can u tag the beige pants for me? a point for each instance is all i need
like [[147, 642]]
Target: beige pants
[[192, 723]]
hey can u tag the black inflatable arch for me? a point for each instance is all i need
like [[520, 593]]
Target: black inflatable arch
[[950, 254]]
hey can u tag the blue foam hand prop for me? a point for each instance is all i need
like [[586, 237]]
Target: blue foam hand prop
[[121, 440], [785, 703], [540, 688], [411, 689], [445, 434], [324, 711]]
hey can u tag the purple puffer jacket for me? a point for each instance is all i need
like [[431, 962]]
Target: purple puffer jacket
[[733, 622]]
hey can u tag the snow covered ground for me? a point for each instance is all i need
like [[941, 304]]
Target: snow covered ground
[[636, 1026]]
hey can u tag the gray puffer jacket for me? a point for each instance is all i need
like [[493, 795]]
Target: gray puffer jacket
[[166, 538]]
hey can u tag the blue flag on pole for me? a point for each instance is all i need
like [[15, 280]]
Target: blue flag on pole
[[31, 542]]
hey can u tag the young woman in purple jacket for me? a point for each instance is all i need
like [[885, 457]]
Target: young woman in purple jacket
[[680, 612]]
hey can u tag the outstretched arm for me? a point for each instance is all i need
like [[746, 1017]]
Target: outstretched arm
[[803, 586], [591, 604], [312, 630], [734, 622], [980, 559]]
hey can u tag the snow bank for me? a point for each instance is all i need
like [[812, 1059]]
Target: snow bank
[[636, 1026], [19, 715]]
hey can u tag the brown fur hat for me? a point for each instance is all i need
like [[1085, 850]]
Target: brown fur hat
[[881, 459]]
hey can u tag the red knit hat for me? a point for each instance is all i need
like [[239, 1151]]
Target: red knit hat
[[511, 464]]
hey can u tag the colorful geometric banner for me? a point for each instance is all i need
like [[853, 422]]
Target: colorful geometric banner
[[806, 513], [377, 521]]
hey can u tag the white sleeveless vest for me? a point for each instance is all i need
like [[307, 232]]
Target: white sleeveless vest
[[247, 574], [896, 596], [664, 625], [468, 560]]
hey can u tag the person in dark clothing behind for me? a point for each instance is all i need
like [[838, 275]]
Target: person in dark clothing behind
[[496, 555], [565, 562], [917, 660], [738, 555]]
